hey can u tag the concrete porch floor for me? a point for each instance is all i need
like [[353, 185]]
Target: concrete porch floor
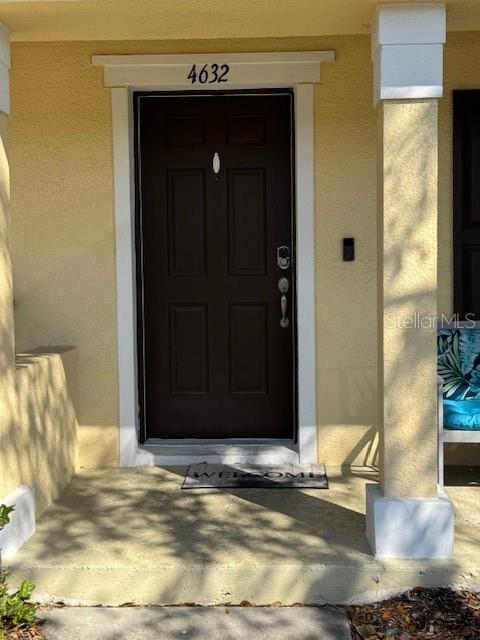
[[131, 535]]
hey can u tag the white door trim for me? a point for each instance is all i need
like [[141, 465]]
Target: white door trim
[[131, 453], [252, 69]]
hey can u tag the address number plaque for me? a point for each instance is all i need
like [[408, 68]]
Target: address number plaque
[[209, 73]]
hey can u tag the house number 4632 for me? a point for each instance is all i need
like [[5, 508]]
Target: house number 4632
[[209, 73]]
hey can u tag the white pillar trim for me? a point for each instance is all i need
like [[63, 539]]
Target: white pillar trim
[[407, 51], [126, 73], [22, 521], [409, 528]]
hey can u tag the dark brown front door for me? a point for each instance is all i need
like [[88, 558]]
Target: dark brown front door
[[214, 205]]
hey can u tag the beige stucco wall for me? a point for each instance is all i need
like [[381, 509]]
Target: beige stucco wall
[[63, 225], [345, 163], [63, 234]]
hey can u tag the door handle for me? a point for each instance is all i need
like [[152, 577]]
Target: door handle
[[283, 287]]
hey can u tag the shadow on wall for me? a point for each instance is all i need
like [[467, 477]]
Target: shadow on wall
[[365, 454], [39, 446], [361, 392]]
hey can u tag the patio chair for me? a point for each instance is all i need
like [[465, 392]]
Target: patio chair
[[458, 388]]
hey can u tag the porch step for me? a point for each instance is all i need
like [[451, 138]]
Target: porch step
[[132, 535], [259, 585]]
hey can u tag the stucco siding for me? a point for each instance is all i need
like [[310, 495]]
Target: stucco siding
[[63, 234], [63, 223], [345, 165]]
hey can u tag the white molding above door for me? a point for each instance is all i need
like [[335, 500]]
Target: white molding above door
[[172, 71], [126, 73]]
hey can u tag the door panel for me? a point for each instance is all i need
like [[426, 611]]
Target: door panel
[[246, 216], [186, 222], [214, 361], [248, 348], [189, 349]]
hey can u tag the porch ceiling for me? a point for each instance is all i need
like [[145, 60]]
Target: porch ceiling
[[31, 20]]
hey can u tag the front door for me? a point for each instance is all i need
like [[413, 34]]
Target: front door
[[214, 237]]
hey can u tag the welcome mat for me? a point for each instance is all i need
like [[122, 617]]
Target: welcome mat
[[240, 476]]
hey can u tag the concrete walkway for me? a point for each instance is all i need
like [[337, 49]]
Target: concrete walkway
[[198, 623]]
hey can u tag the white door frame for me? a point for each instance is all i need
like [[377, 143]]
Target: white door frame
[[298, 71]]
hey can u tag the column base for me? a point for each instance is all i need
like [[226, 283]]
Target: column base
[[409, 528], [22, 521]]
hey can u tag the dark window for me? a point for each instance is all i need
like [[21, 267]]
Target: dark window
[[466, 202]]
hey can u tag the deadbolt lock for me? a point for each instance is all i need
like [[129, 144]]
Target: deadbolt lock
[[283, 257]]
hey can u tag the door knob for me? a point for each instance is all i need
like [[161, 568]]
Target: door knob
[[283, 285]]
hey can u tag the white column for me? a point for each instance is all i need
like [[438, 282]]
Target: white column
[[406, 517]]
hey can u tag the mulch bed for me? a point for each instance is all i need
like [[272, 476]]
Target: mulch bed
[[419, 614], [21, 633]]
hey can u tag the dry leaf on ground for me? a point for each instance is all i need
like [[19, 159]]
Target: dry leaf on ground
[[419, 614]]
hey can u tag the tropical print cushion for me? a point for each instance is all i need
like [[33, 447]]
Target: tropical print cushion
[[459, 363], [462, 415]]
